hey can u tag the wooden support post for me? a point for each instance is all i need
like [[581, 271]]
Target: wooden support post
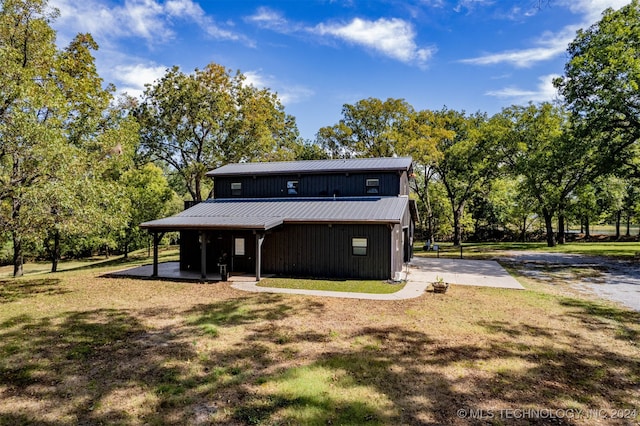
[[156, 241], [203, 254], [259, 241]]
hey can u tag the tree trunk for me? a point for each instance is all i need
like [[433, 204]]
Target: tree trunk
[[457, 225], [628, 234], [618, 219], [548, 223], [18, 258], [55, 252], [561, 234], [587, 229], [523, 230]]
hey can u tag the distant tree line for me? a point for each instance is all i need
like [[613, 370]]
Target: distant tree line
[[80, 168]]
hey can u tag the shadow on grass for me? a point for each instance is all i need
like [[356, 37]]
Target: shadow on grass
[[594, 314], [270, 362], [21, 288]]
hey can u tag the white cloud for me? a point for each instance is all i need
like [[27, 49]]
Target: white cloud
[[147, 19], [551, 45], [288, 94], [394, 38], [134, 77], [592, 9], [272, 20], [544, 92], [471, 4]]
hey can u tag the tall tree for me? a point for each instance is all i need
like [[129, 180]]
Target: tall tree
[[31, 135], [369, 128], [200, 121], [467, 162], [601, 86], [423, 130], [536, 144]]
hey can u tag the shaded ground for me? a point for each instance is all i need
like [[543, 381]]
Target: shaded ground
[[609, 278]]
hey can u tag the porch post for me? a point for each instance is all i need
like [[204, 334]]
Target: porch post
[[156, 241], [259, 241], [203, 254]]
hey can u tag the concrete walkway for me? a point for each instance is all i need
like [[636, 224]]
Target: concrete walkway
[[422, 272]]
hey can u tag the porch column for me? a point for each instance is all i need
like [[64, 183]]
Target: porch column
[[156, 241], [259, 241], [203, 254]]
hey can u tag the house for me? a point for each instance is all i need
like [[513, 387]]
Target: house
[[347, 218]]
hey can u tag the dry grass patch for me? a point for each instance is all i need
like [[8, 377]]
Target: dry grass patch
[[79, 348]]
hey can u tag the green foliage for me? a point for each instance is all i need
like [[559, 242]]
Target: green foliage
[[149, 194], [601, 85], [369, 128], [196, 122]]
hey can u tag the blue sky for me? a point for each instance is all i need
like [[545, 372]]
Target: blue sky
[[472, 55]]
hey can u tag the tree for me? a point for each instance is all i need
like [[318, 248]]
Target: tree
[[537, 144], [31, 135], [601, 86], [58, 132], [200, 121], [422, 132], [148, 191], [467, 162], [369, 128]]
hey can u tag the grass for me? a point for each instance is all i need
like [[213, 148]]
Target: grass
[[137, 258], [79, 348], [624, 250], [355, 286]]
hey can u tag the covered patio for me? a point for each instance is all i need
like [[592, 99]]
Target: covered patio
[[171, 271]]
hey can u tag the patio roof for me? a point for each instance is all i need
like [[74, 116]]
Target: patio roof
[[265, 214]]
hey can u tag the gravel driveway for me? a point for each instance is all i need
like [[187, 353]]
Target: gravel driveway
[[616, 280]]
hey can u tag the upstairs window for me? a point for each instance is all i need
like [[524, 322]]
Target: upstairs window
[[236, 189], [373, 186], [359, 246], [292, 187]]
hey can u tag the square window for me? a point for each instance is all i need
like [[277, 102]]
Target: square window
[[373, 186], [359, 246], [236, 188], [238, 247], [292, 187]]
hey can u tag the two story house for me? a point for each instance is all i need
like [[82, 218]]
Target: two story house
[[346, 218]]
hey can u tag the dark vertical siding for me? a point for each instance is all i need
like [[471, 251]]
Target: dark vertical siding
[[218, 242], [189, 251], [325, 251], [342, 185]]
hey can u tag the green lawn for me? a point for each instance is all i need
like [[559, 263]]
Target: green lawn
[[79, 348], [483, 250], [356, 286]]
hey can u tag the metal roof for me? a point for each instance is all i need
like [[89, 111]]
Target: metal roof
[[314, 166], [267, 213]]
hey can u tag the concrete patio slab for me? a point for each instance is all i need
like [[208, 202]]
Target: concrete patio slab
[[483, 273]]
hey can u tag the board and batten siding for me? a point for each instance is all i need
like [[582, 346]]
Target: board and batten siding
[[325, 251], [342, 185]]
